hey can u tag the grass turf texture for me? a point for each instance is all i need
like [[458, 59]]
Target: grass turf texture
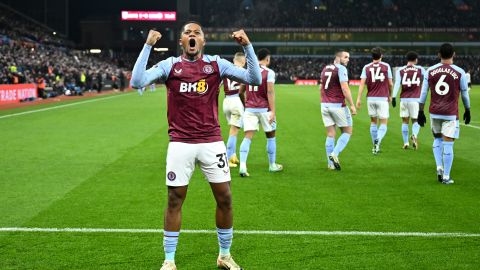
[[102, 165]]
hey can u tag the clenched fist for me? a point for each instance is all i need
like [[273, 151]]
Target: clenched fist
[[241, 37], [153, 37]]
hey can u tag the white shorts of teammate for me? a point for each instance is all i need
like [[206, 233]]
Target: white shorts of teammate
[[378, 108], [251, 121], [182, 157], [233, 110], [409, 109], [448, 128], [339, 116]]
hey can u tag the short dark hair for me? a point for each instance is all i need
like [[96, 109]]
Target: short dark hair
[[377, 53], [189, 22], [262, 54], [411, 56], [339, 51], [446, 51]]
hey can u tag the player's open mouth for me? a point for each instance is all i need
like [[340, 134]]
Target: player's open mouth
[[192, 42]]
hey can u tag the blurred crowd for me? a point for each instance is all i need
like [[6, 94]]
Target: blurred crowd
[[293, 68], [30, 54], [340, 13]]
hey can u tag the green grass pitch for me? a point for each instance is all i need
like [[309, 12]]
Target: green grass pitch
[[101, 164]]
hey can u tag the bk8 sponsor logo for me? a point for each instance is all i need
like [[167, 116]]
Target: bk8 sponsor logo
[[200, 87]]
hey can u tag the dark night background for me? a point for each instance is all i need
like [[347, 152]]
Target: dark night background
[[53, 12]]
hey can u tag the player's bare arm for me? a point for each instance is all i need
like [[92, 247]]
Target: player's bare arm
[[390, 87], [242, 93], [348, 95], [271, 101], [360, 92]]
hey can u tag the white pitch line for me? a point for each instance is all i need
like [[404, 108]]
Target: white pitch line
[[472, 126], [247, 232], [59, 107]]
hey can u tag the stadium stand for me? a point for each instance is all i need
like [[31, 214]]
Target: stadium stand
[[30, 52], [333, 13]]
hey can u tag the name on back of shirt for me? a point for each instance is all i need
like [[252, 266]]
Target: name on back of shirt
[[444, 70]]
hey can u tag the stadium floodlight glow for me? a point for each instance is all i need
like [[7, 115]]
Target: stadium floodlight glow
[[160, 49], [149, 15], [95, 51]]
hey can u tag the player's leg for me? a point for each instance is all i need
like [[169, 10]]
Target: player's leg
[[250, 126], [271, 146], [232, 146], [405, 131], [413, 108], [224, 222], [437, 147], [235, 119], [180, 166], [212, 159], [372, 112], [272, 152], [343, 119], [172, 222], [383, 114], [450, 131], [330, 144], [404, 114], [329, 124]]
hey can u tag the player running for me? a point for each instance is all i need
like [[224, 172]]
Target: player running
[[378, 77], [447, 81], [233, 110], [334, 90], [410, 78], [192, 82], [260, 109]]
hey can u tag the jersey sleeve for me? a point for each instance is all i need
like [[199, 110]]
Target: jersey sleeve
[[250, 76], [142, 77], [364, 73], [271, 76], [398, 80], [342, 73], [464, 90], [390, 75], [423, 94]]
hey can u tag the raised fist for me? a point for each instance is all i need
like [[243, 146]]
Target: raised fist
[[240, 37], [153, 37]]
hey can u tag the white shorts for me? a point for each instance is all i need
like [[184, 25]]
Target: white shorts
[[182, 157], [378, 108], [448, 128], [251, 121], [339, 116], [409, 109], [233, 110]]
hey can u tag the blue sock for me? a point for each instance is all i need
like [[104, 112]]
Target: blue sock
[[382, 130], [447, 158], [438, 151], [271, 149], [415, 129], [170, 241], [231, 146], [373, 132], [329, 146], [225, 237], [341, 143], [244, 149], [405, 133]]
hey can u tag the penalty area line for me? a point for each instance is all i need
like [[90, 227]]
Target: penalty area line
[[246, 232]]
